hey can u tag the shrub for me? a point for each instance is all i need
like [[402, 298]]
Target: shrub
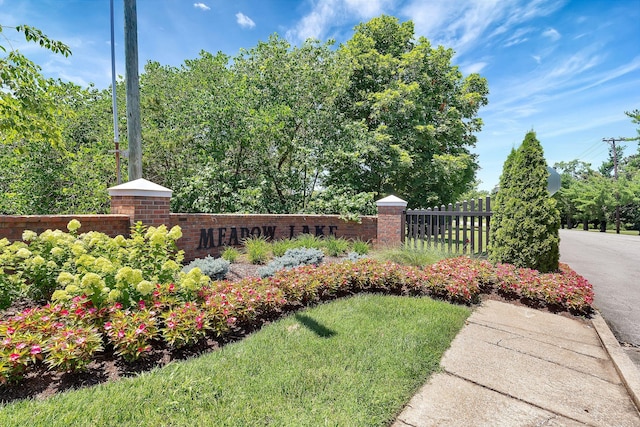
[[130, 331], [184, 325], [215, 268], [257, 249], [355, 256], [526, 220], [10, 288], [292, 258], [60, 266], [230, 253]]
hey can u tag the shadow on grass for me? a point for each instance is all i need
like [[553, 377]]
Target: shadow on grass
[[315, 327]]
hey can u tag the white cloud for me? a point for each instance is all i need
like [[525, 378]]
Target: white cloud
[[476, 67], [552, 33], [537, 58], [465, 24], [244, 21], [514, 42], [327, 14], [201, 6]]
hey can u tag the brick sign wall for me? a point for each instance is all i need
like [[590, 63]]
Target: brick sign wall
[[208, 234]]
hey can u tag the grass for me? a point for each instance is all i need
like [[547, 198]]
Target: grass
[[258, 250], [333, 246], [279, 247], [352, 362], [231, 254], [407, 255], [360, 247]]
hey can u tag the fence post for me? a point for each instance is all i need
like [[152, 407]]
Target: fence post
[[143, 201], [391, 221]]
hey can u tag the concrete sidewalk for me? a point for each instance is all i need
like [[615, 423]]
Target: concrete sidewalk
[[516, 366]]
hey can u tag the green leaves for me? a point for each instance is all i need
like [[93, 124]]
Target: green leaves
[[526, 222], [416, 105], [33, 34], [28, 110]]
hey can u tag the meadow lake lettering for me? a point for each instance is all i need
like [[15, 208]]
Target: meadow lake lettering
[[233, 236]]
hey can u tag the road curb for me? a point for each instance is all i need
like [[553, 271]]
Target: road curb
[[624, 366]]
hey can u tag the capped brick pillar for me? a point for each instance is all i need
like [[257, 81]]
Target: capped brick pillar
[[142, 200], [391, 213]]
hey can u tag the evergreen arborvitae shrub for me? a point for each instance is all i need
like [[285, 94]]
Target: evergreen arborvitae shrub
[[526, 221]]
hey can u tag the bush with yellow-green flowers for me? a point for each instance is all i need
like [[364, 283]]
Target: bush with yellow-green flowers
[[58, 266]]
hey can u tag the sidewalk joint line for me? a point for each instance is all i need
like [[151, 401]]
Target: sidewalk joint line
[[518, 399]]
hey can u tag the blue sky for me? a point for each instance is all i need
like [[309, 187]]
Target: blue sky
[[567, 69]]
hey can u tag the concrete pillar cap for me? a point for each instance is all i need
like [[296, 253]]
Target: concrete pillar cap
[[140, 187], [392, 201]]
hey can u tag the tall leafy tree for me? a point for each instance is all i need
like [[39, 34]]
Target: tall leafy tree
[[28, 108], [73, 176], [526, 233], [419, 113], [570, 173]]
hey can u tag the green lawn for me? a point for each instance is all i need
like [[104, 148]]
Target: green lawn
[[351, 362]]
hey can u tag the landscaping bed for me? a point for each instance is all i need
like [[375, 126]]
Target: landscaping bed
[[107, 321]]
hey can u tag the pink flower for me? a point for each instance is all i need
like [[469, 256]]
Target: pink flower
[[14, 357], [10, 330], [141, 305], [140, 329], [35, 349], [120, 333], [81, 340], [171, 325]]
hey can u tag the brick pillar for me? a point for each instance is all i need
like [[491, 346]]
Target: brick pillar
[[143, 201], [391, 211]]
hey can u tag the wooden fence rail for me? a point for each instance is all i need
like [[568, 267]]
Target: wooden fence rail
[[460, 228]]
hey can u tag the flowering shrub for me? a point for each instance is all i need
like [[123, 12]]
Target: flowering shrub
[[67, 333], [19, 349], [131, 330], [62, 336], [61, 265], [71, 348], [184, 325]]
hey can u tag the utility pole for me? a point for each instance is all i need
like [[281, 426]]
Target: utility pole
[[613, 141], [116, 134], [134, 129]]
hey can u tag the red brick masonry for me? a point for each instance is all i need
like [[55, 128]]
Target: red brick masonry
[[219, 229], [208, 234]]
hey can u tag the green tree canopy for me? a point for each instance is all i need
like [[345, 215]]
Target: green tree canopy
[[419, 112], [28, 108], [526, 230]]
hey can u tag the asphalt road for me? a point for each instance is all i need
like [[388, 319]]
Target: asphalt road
[[611, 262]]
